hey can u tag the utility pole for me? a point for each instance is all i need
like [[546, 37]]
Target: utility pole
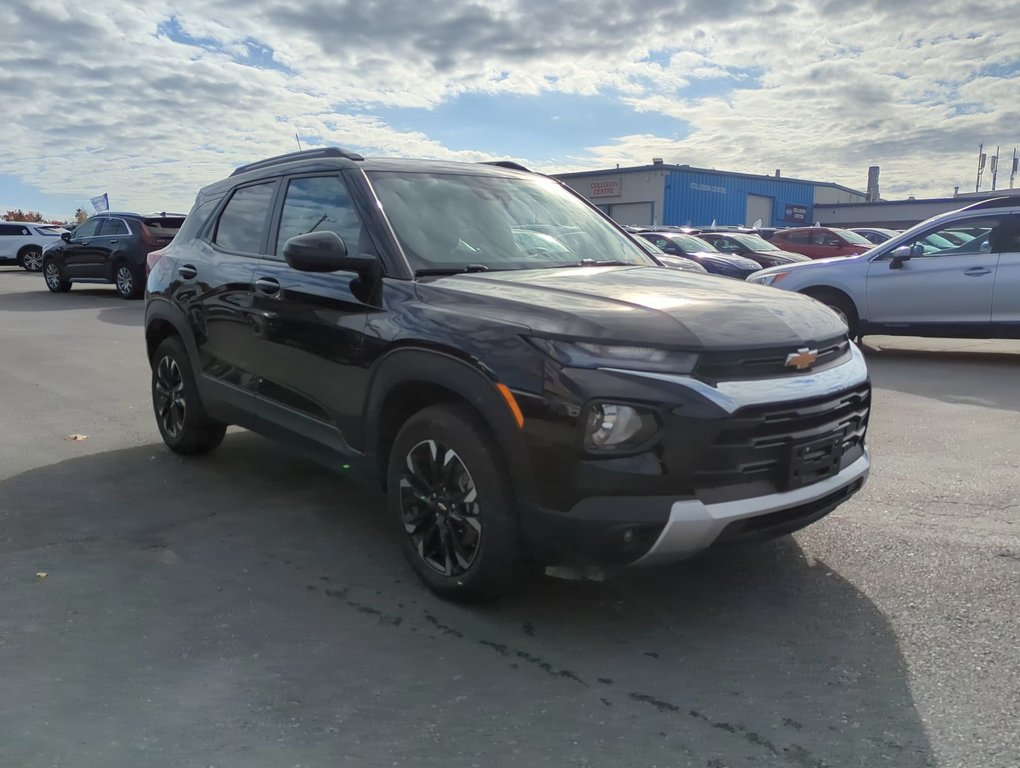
[[981, 166], [1012, 172], [995, 168]]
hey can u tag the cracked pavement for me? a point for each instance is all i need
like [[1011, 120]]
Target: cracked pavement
[[252, 609]]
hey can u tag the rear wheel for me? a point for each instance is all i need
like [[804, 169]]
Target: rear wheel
[[31, 259], [182, 420], [126, 279], [54, 278], [452, 504]]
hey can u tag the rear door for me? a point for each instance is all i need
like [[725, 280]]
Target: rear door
[[214, 287], [309, 328], [12, 237], [948, 287], [108, 246], [1006, 293]]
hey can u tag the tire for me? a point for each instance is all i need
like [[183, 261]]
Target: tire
[[180, 416], [452, 504], [30, 259], [843, 306], [55, 278], [126, 280]]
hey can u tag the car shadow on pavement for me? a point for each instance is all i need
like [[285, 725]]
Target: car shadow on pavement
[[957, 376], [253, 603], [110, 308]]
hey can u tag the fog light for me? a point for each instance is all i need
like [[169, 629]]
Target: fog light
[[612, 426]]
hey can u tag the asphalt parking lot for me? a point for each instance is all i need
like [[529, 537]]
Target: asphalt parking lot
[[252, 609]]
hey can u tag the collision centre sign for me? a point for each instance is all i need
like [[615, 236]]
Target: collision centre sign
[[604, 186], [795, 213]]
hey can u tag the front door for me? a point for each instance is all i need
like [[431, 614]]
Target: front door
[[79, 253], [951, 286], [309, 327]]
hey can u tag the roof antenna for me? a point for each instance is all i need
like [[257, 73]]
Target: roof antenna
[[300, 148]]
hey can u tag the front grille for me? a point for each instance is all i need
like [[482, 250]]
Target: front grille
[[751, 454], [767, 363]]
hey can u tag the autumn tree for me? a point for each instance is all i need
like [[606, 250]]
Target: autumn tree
[[20, 215], [80, 216]]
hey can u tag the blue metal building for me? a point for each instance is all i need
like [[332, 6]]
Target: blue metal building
[[661, 194]]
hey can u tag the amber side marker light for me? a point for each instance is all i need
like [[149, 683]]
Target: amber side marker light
[[511, 401]]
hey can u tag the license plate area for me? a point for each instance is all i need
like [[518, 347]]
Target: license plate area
[[815, 460]]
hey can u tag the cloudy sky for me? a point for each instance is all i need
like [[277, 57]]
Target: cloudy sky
[[150, 100]]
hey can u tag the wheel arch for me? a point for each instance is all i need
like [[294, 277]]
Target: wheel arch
[[410, 379], [163, 320], [821, 292]]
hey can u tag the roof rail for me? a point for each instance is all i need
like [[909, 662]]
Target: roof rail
[[507, 164], [994, 202], [308, 154]]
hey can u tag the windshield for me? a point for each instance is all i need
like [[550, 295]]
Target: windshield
[[465, 221], [754, 243], [692, 244], [853, 237]]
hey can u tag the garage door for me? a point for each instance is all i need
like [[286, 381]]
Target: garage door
[[759, 207], [635, 214]]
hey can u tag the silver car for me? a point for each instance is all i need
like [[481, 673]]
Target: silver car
[[906, 287]]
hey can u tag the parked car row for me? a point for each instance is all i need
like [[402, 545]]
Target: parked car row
[[23, 242], [954, 275]]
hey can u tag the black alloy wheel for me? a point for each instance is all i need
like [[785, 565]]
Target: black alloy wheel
[[450, 495], [183, 422], [440, 509]]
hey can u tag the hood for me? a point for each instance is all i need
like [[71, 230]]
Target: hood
[[814, 263], [637, 305], [715, 258], [787, 257]]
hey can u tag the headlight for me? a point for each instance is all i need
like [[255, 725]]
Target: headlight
[[612, 426], [769, 279], [583, 354]]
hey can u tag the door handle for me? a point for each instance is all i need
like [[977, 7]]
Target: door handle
[[977, 271], [187, 271], [267, 286], [114, 242]]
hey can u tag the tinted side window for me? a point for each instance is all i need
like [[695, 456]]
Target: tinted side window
[[799, 237], [319, 204], [8, 230], [88, 229], [113, 227], [242, 224]]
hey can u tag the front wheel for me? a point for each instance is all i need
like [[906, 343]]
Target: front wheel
[[182, 419], [31, 260], [54, 279], [843, 306], [452, 503]]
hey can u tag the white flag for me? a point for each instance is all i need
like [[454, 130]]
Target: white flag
[[101, 203]]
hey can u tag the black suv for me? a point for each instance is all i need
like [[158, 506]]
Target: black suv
[[109, 248], [562, 399]]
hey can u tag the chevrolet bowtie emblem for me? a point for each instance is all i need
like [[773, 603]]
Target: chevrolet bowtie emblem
[[802, 359]]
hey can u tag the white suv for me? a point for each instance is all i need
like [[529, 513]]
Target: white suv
[[956, 274], [23, 242]]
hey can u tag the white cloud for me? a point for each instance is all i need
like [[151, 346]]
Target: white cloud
[[99, 101]]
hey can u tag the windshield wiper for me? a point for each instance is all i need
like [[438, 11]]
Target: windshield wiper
[[451, 270], [606, 263]]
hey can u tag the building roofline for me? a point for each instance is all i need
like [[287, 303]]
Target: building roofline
[[695, 169]]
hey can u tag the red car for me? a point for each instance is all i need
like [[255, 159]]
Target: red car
[[821, 242]]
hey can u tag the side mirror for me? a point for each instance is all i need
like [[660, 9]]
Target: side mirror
[[326, 252], [65, 236], [904, 253]]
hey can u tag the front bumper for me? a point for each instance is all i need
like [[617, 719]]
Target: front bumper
[[694, 526]]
